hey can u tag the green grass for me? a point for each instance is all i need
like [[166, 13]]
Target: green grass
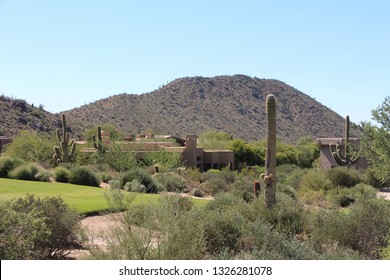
[[84, 199]]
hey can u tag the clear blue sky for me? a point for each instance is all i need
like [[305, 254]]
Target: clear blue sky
[[64, 54]]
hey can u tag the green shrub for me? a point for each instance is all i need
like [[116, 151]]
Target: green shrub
[[105, 177], [344, 197], [290, 175], [344, 177], [197, 192], [222, 231], [43, 176], [164, 159], [7, 164], [81, 175], [168, 230], [134, 186], [170, 182], [287, 217], [316, 180], [61, 174], [31, 146], [24, 172], [141, 176], [216, 185], [34, 228], [363, 228], [115, 184]]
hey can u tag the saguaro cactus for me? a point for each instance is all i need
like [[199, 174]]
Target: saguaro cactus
[[270, 160], [346, 156], [65, 151], [98, 144]]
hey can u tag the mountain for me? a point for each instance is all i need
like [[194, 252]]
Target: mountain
[[233, 104], [17, 114]]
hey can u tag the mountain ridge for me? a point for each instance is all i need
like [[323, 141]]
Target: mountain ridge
[[190, 105], [233, 104]]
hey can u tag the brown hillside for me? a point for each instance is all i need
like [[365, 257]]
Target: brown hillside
[[233, 104], [17, 114]]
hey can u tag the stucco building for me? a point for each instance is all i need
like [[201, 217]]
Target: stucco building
[[326, 158]]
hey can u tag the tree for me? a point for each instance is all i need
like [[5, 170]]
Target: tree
[[31, 146], [114, 133], [214, 140], [375, 142]]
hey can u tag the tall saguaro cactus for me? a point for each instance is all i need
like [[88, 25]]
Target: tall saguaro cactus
[[65, 151], [346, 156], [270, 160], [98, 143]]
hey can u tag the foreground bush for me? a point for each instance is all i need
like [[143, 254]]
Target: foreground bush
[[344, 177], [81, 175], [61, 174], [34, 228], [141, 176], [167, 230], [7, 164], [363, 228], [170, 182], [24, 172]]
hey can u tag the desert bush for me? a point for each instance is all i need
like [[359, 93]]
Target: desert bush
[[142, 176], [216, 185], [170, 182], [222, 231], [168, 230], [344, 177], [61, 174], [134, 186], [7, 164], [363, 228], [290, 175], [192, 174], [43, 176], [31, 146], [164, 159], [197, 192], [24, 172], [105, 177], [316, 180], [34, 228], [344, 197], [287, 217], [80, 175], [115, 184], [121, 157]]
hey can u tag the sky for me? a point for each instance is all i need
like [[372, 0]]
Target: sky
[[64, 54]]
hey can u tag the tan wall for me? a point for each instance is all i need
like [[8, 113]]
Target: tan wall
[[218, 159]]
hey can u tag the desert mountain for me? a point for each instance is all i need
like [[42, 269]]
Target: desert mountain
[[17, 114], [233, 104]]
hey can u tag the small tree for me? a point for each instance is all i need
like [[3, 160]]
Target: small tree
[[375, 142]]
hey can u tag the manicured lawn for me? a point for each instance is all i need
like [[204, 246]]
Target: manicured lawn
[[83, 199]]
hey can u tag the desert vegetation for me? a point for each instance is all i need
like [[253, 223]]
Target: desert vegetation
[[311, 213]]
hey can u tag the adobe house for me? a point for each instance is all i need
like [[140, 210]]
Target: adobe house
[[3, 141], [201, 158], [326, 158], [193, 156]]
